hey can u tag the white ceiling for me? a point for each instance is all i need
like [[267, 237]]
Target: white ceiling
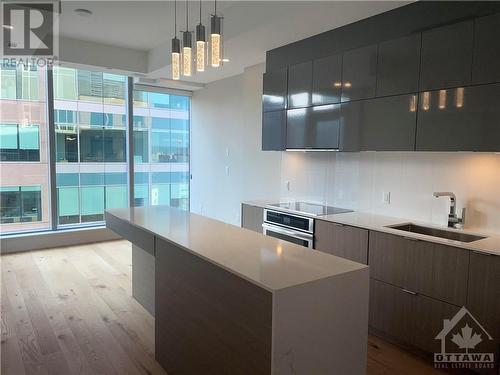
[[250, 27]]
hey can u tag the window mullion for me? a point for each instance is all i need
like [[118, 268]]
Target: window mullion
[[130, 138], [52, 148]]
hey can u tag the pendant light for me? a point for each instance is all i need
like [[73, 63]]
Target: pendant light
[[200, 46], [176, 49], [215, 39], [187, 46]]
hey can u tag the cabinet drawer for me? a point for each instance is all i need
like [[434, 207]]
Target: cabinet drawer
[[342, 240], [390, 311], [410, 319], [435, 270]]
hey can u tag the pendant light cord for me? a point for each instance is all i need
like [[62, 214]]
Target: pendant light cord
[[175, 18], [200, 11], [215, 1], [187, 14]]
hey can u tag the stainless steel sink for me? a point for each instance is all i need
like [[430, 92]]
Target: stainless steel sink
[[434, 232]]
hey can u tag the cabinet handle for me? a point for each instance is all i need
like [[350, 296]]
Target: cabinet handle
[[411, 239], [338, 224], [481, 253], [409, 292]]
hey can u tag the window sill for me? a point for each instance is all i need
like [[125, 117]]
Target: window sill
[[50, 239]]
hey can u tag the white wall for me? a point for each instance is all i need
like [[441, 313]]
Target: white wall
[[359, 180], [226, 115]]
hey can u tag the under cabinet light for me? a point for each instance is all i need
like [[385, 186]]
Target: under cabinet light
[[442, 99], [460, 97]]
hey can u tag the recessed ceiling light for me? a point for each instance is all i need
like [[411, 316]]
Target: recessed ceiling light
[[8, 27], [83, 12], [225, 59]]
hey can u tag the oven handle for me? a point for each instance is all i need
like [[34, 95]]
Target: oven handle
[[274, 228]]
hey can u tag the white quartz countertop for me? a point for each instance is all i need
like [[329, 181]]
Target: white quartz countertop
[[366, 220], [268, 262]]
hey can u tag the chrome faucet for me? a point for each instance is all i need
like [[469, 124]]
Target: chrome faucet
[[453, 220]]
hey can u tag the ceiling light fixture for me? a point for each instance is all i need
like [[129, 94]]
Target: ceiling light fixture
[[8, 27], [176, 49], [200, 45], [225, 59], [83, 12], [187, 44], [215, 38]]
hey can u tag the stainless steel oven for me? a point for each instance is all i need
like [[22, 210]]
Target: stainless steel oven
[[289, 227]]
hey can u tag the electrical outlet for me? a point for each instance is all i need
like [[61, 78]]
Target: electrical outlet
[[227, 151], [386, 197], [227, 170], [287, 185]]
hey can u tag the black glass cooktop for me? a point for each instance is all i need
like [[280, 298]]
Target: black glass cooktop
[[310, 208]]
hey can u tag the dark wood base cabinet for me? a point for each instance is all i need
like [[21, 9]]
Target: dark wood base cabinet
[[483, 300], [407, 318], [417, 285], [341, 240]]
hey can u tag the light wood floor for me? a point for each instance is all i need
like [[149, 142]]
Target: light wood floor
[[70, 311]]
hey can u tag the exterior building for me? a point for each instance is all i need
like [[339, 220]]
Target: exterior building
[[24, 178], [90, 147]]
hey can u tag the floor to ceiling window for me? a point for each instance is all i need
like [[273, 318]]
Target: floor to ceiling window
[[90, 131], [24, 171], [161, 149], [90, 153]]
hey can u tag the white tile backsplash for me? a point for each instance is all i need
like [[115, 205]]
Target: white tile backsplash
[[359, 181]]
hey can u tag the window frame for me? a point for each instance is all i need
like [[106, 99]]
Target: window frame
[[128, 126]]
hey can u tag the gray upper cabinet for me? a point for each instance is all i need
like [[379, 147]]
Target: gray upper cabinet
[[431, 90], [300, 85], [359, 73], [313, 127], [274, 90], [461, 119], [273, 130], [381, 124], [327, 80], [398, 66], [486, 62], [446, 56]]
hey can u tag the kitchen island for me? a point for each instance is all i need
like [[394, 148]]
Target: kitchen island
[[231, 301]]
